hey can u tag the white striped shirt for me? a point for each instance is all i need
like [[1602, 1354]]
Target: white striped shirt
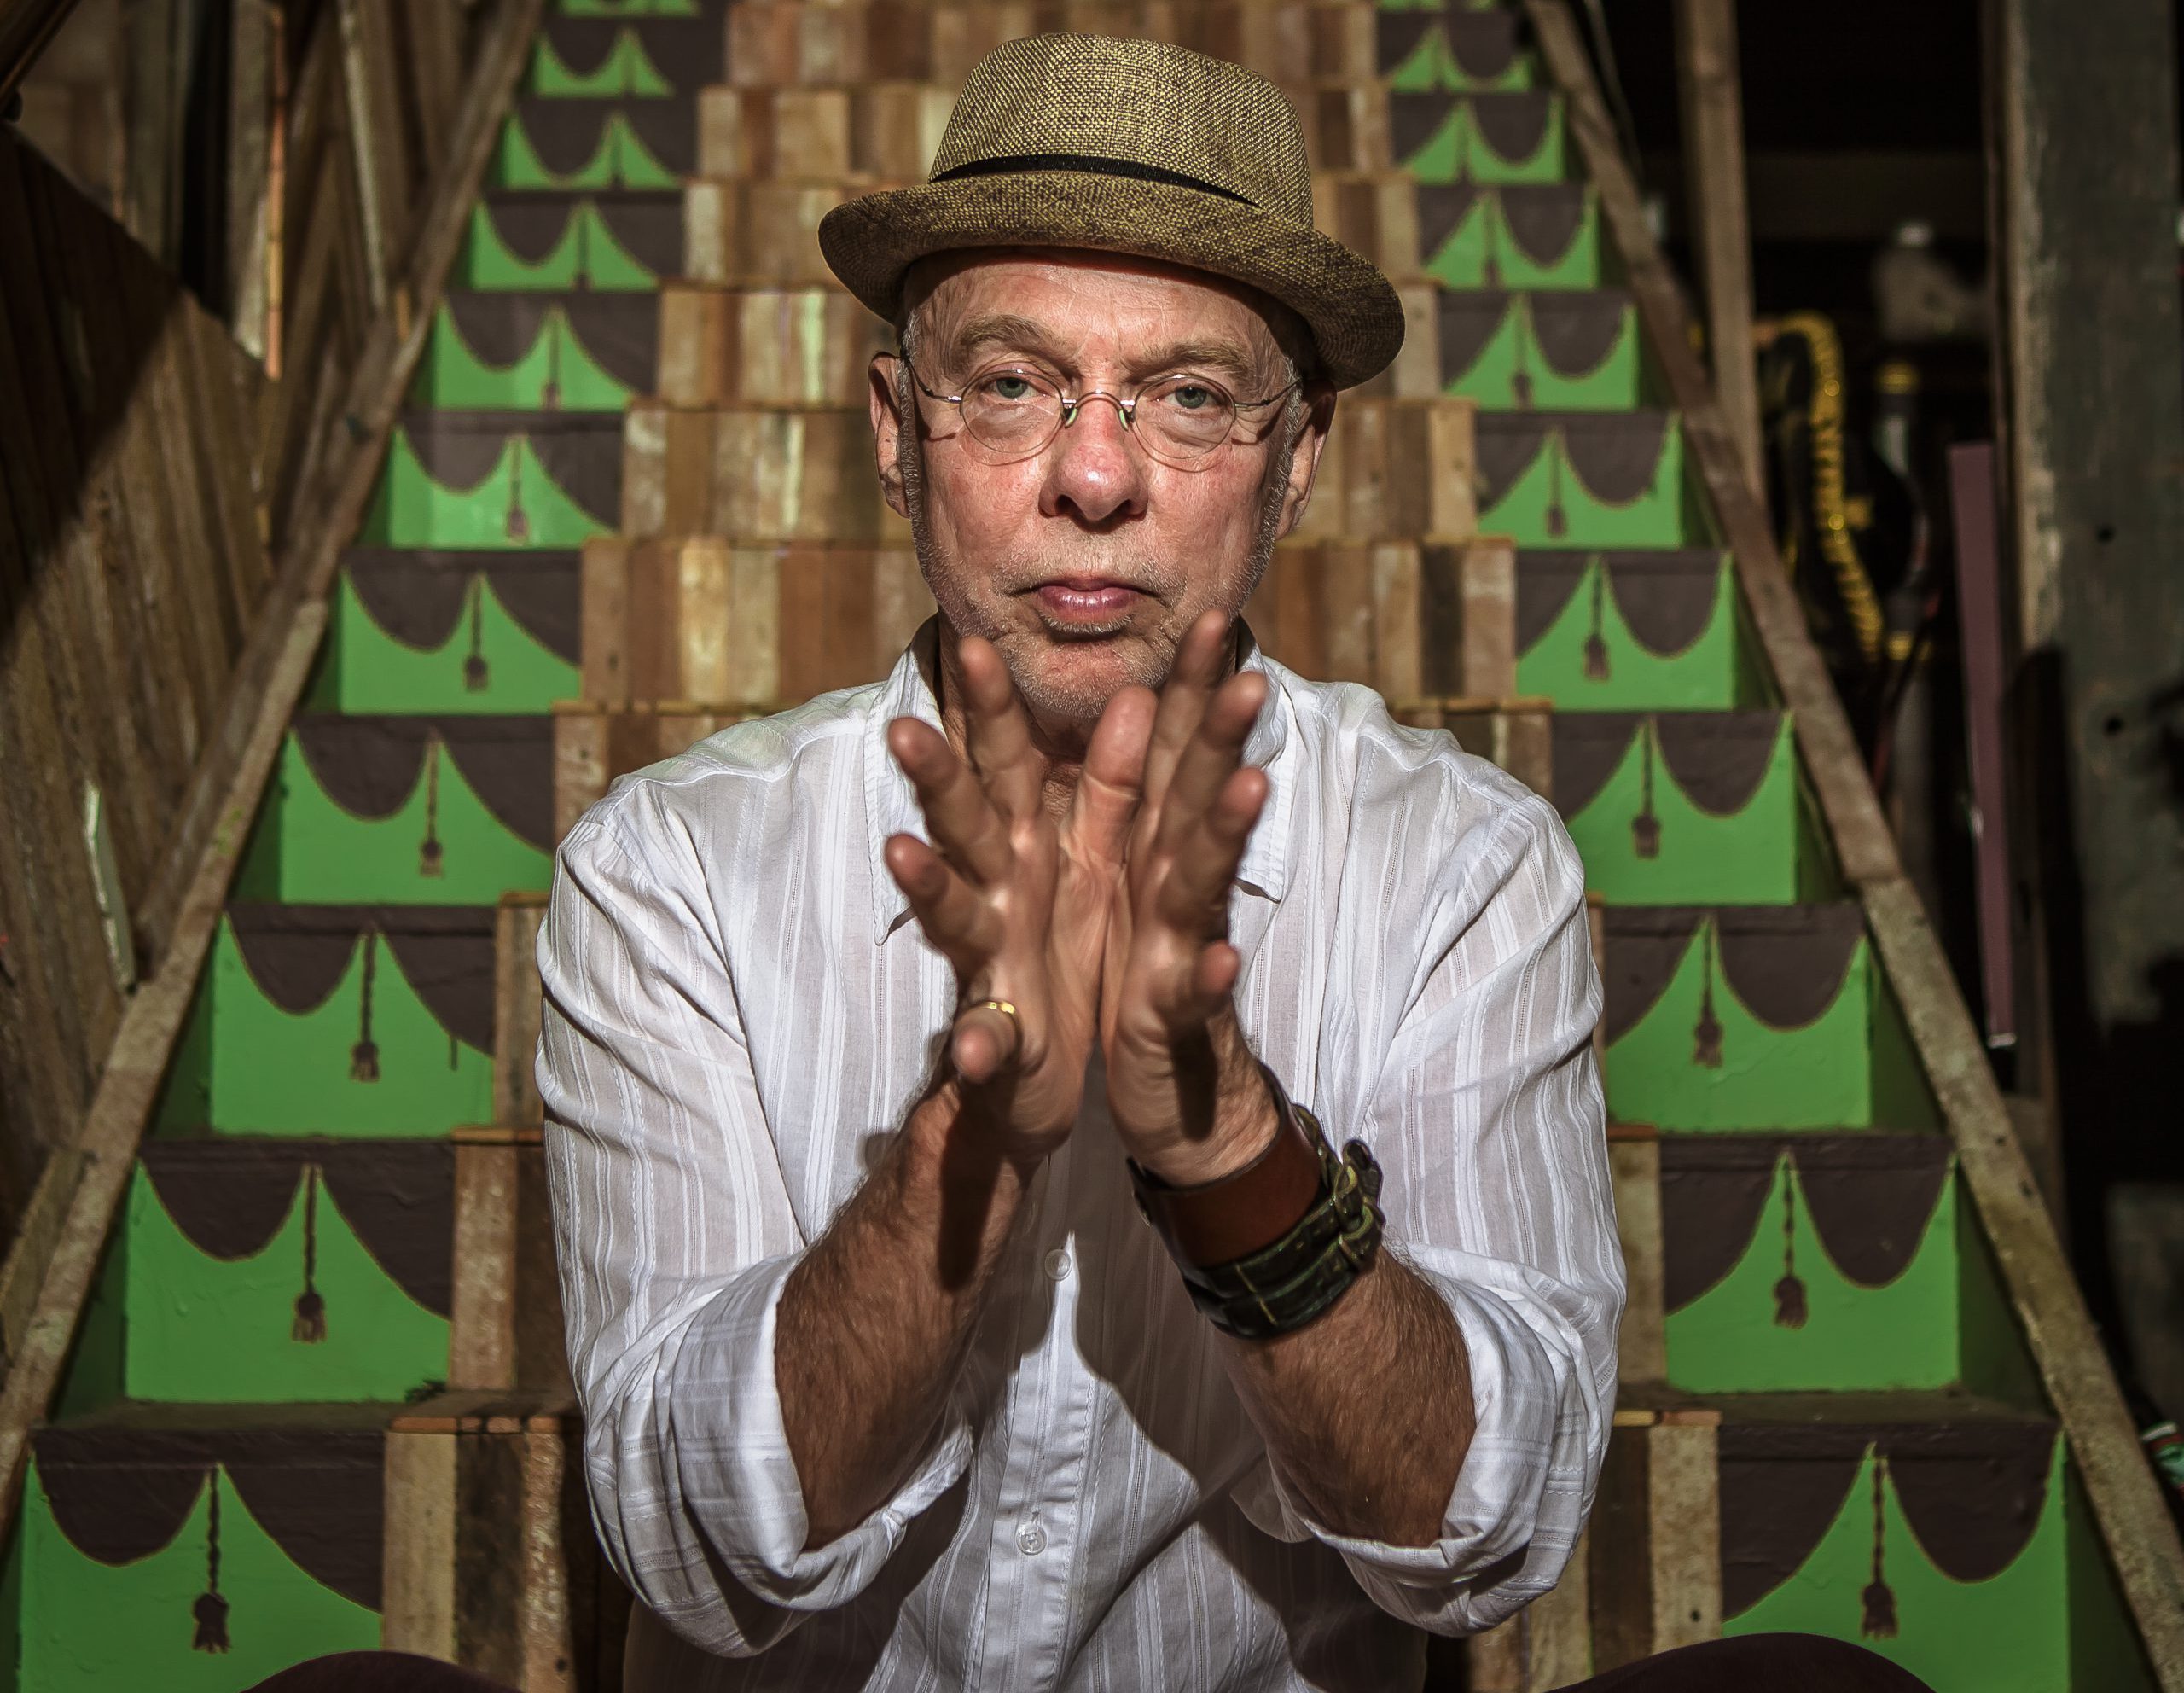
[[741, 1009]]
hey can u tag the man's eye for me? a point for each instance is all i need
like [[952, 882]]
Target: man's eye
[[1010, 387], [1192, 397]]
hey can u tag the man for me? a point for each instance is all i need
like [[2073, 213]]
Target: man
[[879, 1032]]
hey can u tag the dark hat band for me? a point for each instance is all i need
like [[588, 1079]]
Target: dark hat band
[[1078, 161]]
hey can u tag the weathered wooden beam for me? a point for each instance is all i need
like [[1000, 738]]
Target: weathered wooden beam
[[94, 1168], [1707, 82], [2134, 1519], [25, 27]]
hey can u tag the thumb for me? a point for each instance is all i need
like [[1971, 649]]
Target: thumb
[[1112, 784]]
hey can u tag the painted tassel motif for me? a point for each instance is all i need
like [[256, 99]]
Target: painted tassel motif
[[1877, 1603], [310, 1324], [210, 1612], [364, 1057]]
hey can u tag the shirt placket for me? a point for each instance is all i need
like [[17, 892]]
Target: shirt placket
[[1038, 1531]]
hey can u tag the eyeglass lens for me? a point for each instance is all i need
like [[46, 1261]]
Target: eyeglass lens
[[1018, 411]]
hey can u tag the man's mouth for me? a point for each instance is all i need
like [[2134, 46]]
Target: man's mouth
[[1086, 600]]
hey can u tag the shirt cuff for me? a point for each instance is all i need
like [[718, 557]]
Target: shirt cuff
[[1521, 1495], [737, 1475]]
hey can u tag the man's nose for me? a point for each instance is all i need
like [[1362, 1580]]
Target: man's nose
[[1095, 469]]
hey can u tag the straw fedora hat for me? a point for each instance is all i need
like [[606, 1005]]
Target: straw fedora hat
[[1127, 147]]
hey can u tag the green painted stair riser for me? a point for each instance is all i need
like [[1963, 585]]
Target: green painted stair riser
[[172, 1323], [1430, 67], [85, 1627], [586, 256], [1479, 252], [626, 72], [1698, 1060], [621, 160], [443, 848], [1836, 1335], [1510, 372], [627, 9], [1719, 670], [1458, 151], [515, 505], [1548, 505], [246, 1067], [1769, 852], [488, 666], [555, 374], [2040, 1627]]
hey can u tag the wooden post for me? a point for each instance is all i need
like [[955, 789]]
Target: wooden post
[[1721, 229], [1656, 1536], [1545, 1645], [1633, 1152], [2084, 158], [488, 1560]]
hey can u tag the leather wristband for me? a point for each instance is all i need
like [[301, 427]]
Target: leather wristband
[[1247, 1211]]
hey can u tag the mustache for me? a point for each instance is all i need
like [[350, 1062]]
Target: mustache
[[1021, 573]]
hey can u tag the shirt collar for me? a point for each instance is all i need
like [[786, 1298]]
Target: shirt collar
[[892, 803]]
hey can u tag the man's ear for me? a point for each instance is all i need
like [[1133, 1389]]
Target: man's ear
[[888, 425], [1304, 462]]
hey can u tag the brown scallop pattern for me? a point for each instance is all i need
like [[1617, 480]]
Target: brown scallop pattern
[[1717, 757], [1614, 454], [1972, 1488], [297, 955], [419, 595], [581, 451], [646, 222], [369, 765], [1665, 597], [619, 331], [230, 1197], [121, 1494]]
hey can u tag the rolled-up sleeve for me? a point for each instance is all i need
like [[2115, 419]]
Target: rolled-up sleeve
[[1489, 1126], [675, 1237]]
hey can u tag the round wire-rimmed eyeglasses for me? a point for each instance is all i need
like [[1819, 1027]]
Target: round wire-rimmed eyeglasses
[[1014, 410]]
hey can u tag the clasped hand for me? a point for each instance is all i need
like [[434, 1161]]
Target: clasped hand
[[1110, 923]]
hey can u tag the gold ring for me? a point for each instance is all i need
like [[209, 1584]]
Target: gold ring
[[1002, 1006]]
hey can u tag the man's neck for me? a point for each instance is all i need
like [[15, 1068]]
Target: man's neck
[[1060, 743]]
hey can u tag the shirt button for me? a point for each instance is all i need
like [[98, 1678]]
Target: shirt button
[[1058, 1265], [1031, 1539]]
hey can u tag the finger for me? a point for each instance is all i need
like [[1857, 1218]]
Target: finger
[[1193, 896], [964, 825], [1215, 977], [960, 924], [1211, 755], [1183, 700], [984, 1042], [1113, 782], [1186, 997], [997, 733]]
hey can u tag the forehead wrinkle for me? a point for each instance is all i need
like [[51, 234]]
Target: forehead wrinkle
[[1014, 332], [1005, 329]]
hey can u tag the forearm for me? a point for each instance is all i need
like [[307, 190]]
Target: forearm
[[874, 1322], [1366, 1412]]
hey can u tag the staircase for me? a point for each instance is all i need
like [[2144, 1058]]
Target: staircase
[[318, 1401]]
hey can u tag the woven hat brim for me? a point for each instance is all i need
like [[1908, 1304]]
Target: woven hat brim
[[1355, 317]]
